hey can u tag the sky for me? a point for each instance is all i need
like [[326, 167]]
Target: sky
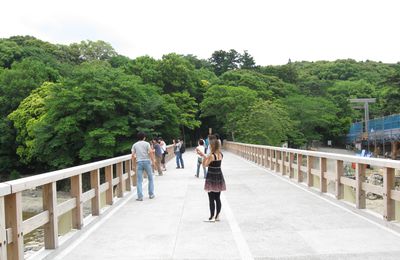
[[272, 31]]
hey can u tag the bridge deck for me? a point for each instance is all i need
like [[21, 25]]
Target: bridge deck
[[264, 216]]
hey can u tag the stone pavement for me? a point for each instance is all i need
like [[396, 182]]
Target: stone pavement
[[264, 216]]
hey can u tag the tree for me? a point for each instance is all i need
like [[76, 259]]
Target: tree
[[94, 50], [223, 61], [266, 123], [228, 105], [247, 61]]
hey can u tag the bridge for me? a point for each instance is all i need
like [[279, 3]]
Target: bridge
[[279, 204]]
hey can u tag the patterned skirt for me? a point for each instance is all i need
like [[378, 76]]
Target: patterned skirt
[[215, 180]]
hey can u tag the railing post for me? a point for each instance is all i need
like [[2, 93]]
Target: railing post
[[283, 160], [299, 164], [291, 170], [277, 155], [267, 159], [360, 194], [95, 184], [133, 163], [310, 178], [50, 204], [271, 160], [3, 235], [264, 158], [322, 180], [13, 205], [76, 192], [128, 171], [339, 186], [120, 186], [109, 177], [388, 202]]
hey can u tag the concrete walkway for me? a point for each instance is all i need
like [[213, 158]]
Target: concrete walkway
[[263, 216]]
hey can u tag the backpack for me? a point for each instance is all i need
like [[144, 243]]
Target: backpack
[[182, 149]]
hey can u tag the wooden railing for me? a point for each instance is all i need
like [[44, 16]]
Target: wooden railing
[[114, 172], [311, 167]]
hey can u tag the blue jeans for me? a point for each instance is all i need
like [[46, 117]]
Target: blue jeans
[[144, 165], [178, 157], [199, 162]]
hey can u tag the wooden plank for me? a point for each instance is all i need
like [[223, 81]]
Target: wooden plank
[[104, 187], [109, 179], [330, 176], [115, 181], [368, 187], [76, 193], [120, 186], [3, 234], [310, 178], [339, 189], [5, 189], [34, 222], [315, 172], [389, 210], [90, 194], [347, 181], [50, 204], [395, 195], [95, 184], [66, 206], [322, 180], [360, 193], [277, 158], [128, 170], [13, 209], [303, 168]]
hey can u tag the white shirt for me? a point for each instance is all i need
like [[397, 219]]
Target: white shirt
[[200, 148]]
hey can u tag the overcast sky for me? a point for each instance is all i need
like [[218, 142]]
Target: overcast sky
[[271, 30]]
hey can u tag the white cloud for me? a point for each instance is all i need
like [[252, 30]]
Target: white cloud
[[271, 30]]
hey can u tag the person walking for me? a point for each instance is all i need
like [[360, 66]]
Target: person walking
[[178, 154], [141, 152], [200, 149], [158, 156], [215, 182]]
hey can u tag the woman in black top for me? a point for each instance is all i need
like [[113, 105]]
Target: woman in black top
[[215, 182]]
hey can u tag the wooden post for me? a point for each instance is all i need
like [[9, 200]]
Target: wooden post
[[133, 160], [389, 212], [121, 184], [3, 235], [264, 158], [339, 186], [267, 159], [277, 155], [322, 167], [291, 169], [310, 179], [50, 204], [76, 192], [95, 184], [283, 160], [394, 150], [110, 192], [128, 171], [13, 208], [360, 194], [271, 159], [299, 164]]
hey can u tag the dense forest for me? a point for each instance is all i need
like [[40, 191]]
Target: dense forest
[[64, 105]]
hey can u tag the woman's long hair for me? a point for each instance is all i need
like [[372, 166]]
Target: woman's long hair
[[215, 145]]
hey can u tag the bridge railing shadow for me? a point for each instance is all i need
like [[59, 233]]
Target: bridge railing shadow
[[109, 180]]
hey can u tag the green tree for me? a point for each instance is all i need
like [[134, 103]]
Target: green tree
[[228, 105], [266, 123], [94, 50]]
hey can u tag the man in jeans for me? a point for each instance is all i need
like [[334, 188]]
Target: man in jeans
[[178, 154], [141, 151]]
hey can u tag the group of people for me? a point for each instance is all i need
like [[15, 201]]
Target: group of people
[[209, 158]]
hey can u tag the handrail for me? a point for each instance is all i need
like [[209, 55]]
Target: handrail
[[13, 227], [310, 167]]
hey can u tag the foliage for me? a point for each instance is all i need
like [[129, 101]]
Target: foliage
[[266, 123]]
